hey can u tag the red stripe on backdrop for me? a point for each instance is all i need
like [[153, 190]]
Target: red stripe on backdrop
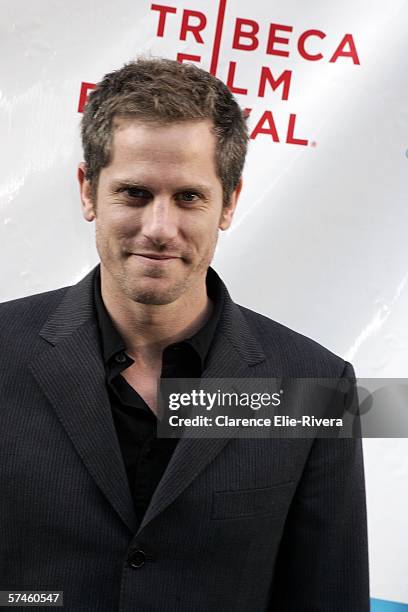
[[217, 37]]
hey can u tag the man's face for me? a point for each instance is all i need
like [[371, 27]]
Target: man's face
[[158, 209]]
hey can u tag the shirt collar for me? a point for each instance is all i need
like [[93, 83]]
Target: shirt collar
[[112, 342]]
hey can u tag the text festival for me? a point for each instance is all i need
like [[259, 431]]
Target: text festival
[[193, 26]]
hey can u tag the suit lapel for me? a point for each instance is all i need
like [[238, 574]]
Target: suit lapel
[[71, 374], [233, 353]]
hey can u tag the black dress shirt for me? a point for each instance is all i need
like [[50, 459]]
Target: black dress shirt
[[145, 455]]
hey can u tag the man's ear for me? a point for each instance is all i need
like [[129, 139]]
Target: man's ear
[[88, 204], [227, 212]]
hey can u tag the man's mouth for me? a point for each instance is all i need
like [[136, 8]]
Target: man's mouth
[[156, 256]]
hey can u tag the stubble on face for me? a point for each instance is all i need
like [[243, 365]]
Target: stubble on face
[[137, 286]]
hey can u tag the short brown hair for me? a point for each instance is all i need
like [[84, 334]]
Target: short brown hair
[[164, 91]]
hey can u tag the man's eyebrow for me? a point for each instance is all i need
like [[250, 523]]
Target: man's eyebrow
[[127, 183], [205, 189], [133, 184]]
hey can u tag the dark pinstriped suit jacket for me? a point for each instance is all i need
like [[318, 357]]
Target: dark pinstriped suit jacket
[[242, 525]]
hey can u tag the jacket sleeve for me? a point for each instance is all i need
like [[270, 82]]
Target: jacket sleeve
[[322, 564]]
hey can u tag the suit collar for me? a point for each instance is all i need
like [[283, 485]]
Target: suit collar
[[77, 307]]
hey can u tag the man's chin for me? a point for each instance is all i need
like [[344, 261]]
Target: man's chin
[[156, 293], [154, 299]]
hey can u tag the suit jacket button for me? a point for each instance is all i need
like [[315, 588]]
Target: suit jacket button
[[137, 559], [120, 358]]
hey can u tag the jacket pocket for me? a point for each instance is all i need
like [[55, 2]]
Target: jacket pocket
[[251, 502]]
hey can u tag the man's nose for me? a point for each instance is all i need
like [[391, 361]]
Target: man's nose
[[160, 221]]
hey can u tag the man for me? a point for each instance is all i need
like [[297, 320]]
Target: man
[[94, 502]]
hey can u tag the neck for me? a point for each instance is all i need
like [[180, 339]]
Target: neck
[[147, 329]]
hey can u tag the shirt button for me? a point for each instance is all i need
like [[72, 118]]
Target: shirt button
[[120, 358], [137, 559]]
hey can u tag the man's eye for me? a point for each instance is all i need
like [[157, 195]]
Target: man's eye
[[134, 192], [188, 196]]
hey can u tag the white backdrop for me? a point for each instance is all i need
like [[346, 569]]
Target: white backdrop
[[319, 239]]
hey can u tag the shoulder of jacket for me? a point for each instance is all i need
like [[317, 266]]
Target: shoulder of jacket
[[30, 311], [308, 354]]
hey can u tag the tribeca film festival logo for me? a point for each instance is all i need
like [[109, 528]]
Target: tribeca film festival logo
[[246, 38]]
